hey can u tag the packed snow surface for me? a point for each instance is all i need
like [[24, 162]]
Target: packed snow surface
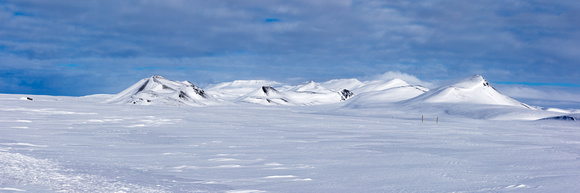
[[78, 144]]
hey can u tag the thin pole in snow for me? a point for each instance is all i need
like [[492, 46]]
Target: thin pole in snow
[[421, 118], [437, 120]]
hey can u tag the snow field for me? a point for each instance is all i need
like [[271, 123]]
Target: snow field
[[96, 147]]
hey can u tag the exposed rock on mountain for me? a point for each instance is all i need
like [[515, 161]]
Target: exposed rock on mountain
[[345, 94]]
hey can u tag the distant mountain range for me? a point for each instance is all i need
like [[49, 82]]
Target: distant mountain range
[[157, 90]]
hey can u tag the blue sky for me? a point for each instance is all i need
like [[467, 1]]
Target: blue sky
[[71, 47]]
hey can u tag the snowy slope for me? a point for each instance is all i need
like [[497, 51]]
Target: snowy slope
[[311, 98], [357, 86], [308, 93], [341, 84], [390, 95], [379, 85], [158, 90], [473, 90], [266, 95], [310, 87], [238, 88], [372, 93], [312, 93]]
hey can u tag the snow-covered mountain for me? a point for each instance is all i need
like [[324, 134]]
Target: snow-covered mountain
[[158, 90], [266, 95], [473, 90], [340, 84], [234, 90], [379, 85], [357, 86], [312, 93], [372, 93], [390, 95], [310, 87], [302, 95]]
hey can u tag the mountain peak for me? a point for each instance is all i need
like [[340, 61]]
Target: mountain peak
[[159, 90], [475, 90], [477, 76], [472, 82], [311, 87], [157, 77], [339, 84]]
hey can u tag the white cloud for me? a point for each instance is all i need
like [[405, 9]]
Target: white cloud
[[435, 40]]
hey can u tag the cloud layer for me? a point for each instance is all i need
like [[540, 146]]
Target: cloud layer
[[60, 47]]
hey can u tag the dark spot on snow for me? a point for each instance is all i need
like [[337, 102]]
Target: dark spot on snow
[[200, 92], [183, 95], [345, 94], [196, 89], [422, 89], [143, 86], [268, 90], [526, 105], [561, 118]]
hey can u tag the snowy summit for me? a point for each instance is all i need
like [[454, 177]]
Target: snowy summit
[[158, 90], [475, 90]]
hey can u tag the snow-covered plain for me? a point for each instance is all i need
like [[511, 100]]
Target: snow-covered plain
[[80, 144]]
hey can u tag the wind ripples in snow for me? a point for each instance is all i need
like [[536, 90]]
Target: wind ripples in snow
[[24, 170]]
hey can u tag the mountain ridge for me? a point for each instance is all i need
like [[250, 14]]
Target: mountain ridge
[[157, 90]]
